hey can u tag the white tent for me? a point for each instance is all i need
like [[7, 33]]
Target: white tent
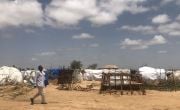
[[152, 73], [11, 73], [92, 74], [177, 74], [29, 75], [128, 71], [97, 74]]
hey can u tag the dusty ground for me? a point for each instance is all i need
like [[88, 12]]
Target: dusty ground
[[80, 100]]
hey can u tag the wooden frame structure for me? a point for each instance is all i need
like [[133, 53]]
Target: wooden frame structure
[[65, 79], [113, 82]]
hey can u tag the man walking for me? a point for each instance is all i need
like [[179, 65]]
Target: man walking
[[40, 78]]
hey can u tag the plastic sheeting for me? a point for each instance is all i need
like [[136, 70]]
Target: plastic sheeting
[[53, 73], [29, 76], [11, 73], [152, 73], [97, 74], [92, 74]]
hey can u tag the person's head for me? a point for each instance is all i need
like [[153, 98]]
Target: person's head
[[40, 68]]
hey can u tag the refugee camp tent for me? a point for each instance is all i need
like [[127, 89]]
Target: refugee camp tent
[[177, 74], [53, 73], [109, 68], [10, 73], [173, 73], [29, 76], [152, 73], [90, 74]]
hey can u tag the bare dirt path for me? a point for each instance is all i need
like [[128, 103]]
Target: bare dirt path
[[80, 100]]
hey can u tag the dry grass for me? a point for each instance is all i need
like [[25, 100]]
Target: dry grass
[[92, 100]]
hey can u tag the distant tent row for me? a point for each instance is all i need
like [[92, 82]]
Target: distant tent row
[[14, 74]]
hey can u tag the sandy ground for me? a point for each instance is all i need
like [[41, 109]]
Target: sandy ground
[[92, 100]]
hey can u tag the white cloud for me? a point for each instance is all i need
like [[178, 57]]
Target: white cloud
[[103, 18], [140, 28], [47, 54], [165, 2], [143, 44], [160, 19], [158, 39], [83, 36], [20, 13], [98, 12], [66, 13], [70, 12], [133, 44], [94, 45], [171, 29], [162, 52], [34, 59]]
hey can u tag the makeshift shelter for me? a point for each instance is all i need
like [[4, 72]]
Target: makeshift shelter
[[53, 73], [114, 82], [177, 74], [29, 76], [68, 77], [10, 74], [152, 73], [90, 74], [110, 67]]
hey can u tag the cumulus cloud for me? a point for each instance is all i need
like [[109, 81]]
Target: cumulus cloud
[[46, 54], [64, 13], [98, 12], [171, 29], [83, 36], [34, 59], [162, 52], [142, 44], [165, 2], [140, 28], [94, 45], [159, 19], [20, 13]]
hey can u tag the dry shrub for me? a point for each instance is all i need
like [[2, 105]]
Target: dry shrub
[[11, 89]]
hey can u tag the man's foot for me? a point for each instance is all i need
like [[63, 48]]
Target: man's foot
[[44, 103], [32, 101]]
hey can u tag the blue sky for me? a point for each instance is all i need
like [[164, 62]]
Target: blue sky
[[128, 33]]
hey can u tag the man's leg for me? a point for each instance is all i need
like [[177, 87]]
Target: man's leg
[[35, 96], [38, 93], [42, 93]]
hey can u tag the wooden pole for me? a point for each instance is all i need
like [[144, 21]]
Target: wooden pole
[[130, 78], [121, 84], [174, 82]]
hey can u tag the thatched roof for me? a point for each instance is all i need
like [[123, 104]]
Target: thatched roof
[[110, 67]]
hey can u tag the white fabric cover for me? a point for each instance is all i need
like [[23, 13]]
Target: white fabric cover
[[152, 73], [11, 72], [92, 74]]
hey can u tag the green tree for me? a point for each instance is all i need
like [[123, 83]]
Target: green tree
[[76, 64], [92, 66]]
